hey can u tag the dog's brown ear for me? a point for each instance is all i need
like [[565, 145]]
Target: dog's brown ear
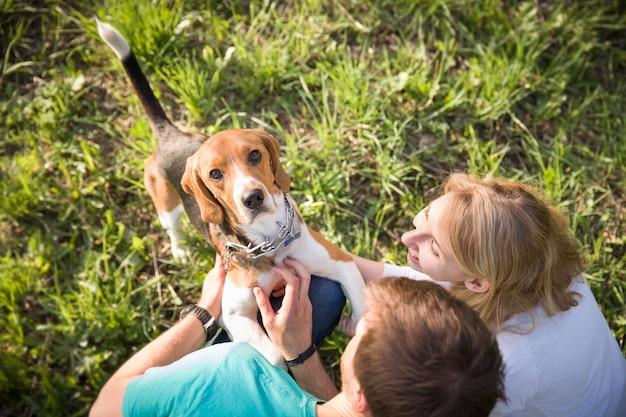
[[210, 210], [280, 176]]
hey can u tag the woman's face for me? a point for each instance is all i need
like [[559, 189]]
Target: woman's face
[[427, 244]]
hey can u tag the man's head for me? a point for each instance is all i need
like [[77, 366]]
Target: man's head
[[418, 351]]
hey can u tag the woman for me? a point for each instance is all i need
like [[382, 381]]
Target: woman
[[506, 251]]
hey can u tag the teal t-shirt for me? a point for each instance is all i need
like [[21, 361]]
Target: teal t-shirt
[[228, 379]]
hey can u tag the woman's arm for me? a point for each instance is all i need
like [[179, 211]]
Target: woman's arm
[[186, 336], [372, 270]]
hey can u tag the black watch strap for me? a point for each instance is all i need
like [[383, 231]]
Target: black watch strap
[[299, 360], [208, 322]]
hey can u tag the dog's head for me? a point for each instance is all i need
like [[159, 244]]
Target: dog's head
[[234, 175]]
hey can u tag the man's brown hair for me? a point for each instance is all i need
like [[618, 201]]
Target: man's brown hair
[[426, 353]]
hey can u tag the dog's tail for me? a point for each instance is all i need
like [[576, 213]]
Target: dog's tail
[[158, 119]]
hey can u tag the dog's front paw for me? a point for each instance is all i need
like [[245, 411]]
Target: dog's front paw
[[180, 252]]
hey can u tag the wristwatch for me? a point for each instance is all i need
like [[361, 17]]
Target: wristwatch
[[208, 322]]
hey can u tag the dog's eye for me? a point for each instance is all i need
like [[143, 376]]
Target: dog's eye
[[254, 157], [216, 174]]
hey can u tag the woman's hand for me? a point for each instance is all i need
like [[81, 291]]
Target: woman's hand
[[212, 288], [291, 326]]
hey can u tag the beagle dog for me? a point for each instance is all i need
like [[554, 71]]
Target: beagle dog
[[235, 192]]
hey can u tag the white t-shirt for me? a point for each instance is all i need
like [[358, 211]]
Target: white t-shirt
[[569, 365]]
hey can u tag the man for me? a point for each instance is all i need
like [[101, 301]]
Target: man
[[416, 352]]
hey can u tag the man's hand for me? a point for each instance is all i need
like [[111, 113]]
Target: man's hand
[[212, 288], [290, 327]]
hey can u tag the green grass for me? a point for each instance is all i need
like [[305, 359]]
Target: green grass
[[374, 101]]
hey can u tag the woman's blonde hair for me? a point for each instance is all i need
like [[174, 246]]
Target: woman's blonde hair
[[510, 235]]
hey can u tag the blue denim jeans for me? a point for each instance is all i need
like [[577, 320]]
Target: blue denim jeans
[[327, 299]]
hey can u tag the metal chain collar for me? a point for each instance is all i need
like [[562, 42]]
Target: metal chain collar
[[283, 237]]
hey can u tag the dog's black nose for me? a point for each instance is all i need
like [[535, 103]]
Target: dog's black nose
[[254, 200]]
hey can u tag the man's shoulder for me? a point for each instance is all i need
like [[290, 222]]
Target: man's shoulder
[[231, 377]]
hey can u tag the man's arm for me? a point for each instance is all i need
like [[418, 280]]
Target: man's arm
[[184, 337], [312, 377], [290, 329]]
